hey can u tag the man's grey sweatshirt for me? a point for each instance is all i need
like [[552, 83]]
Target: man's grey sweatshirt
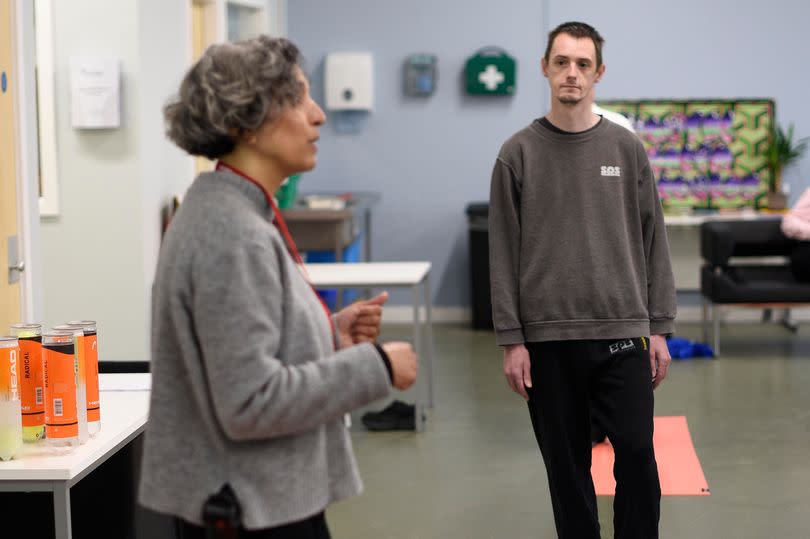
[[578, 245]]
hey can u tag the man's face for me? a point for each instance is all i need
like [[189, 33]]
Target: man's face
[[571, 69]]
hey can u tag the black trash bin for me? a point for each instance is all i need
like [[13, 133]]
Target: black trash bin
[[478, 216]]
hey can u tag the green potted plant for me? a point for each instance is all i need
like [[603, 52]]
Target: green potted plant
[[781, 152]]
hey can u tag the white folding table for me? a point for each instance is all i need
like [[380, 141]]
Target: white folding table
[[35, 469], [391, 275]]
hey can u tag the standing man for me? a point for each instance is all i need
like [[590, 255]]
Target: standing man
[[582, 290]]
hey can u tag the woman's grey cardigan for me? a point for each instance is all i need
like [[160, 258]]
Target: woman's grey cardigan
[[246, 386]]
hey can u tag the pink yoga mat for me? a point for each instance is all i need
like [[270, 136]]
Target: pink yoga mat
[[678, 466]]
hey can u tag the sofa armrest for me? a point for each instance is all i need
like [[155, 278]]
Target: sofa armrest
[[720, 240], [716, 242]]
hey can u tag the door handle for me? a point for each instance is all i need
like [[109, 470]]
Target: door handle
[[15, 265]]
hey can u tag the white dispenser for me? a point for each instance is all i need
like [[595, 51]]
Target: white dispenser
[[349, 81]]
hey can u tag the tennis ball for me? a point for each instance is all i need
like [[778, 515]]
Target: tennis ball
[[33, 434], [10, 441]]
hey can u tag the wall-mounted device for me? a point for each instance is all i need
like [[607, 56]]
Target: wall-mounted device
[[349, 81], [490, 71], [421, 73]]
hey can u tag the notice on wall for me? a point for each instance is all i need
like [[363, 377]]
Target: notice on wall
[[95, 92]]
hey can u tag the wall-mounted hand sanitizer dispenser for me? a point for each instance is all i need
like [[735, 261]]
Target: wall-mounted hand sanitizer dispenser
[[349, 80]]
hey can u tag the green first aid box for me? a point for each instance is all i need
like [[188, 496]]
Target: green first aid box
[[490, 71]]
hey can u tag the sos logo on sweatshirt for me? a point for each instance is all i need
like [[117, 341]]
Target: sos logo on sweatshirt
[[611, 171]]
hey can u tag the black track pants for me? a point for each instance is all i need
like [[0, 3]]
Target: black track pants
[[568, 378]]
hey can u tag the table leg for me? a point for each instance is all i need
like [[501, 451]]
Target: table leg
[[367, 244], [419, 405], [704, 318], [716, 324], [338, 259], [429, 344], [61, 510], [368, 235], [788, 322]]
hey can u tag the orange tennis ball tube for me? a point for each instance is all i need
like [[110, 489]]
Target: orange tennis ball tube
[[32, 383], [61, 380], [81, 378], [91, 373]]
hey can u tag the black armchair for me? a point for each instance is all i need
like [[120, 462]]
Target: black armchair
[[746, 263]]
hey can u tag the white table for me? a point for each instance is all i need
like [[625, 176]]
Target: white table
[[123, 417], [390, 275]]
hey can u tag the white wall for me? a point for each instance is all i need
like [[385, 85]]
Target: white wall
[[164, 47], [430, 157], [694, 49], [99, 253]]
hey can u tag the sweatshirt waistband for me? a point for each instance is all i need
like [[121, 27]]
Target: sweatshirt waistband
[[567, 330]]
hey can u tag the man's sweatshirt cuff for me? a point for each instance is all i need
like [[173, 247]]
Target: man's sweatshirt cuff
[[663, 326], [509, 336], [386, 361]]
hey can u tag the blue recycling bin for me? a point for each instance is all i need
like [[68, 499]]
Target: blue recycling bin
[[350, 254]]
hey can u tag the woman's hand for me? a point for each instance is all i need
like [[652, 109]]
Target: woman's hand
[[360, 321], [404, 363]]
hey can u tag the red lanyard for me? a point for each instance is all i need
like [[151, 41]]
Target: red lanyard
[[278, 221]]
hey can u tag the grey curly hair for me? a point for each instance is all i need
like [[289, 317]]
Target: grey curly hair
[[232, 88]]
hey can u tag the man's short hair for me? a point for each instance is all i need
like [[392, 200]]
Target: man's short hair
[[578, 30]]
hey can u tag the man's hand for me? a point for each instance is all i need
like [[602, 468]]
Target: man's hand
[[659, 359], [360, 321], [517, 368]]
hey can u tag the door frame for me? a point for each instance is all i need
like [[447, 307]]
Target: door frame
[[277, 18], [46, 108], [275, 14], [27, 155]]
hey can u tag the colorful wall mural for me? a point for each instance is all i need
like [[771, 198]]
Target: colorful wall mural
[[704, 153]]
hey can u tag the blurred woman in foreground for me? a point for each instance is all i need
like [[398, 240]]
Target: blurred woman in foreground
[[251, 374]]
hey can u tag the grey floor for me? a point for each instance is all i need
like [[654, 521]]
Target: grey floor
[[476, 471]]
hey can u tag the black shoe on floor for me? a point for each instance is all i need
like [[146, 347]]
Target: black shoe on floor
[[396, 407], [396, 416]]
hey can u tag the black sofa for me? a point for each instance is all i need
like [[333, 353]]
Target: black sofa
[[746, 263]]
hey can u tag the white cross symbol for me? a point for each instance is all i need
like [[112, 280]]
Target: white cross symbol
[[491, 77]]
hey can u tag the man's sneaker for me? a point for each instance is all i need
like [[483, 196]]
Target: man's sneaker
[[396, 416]]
